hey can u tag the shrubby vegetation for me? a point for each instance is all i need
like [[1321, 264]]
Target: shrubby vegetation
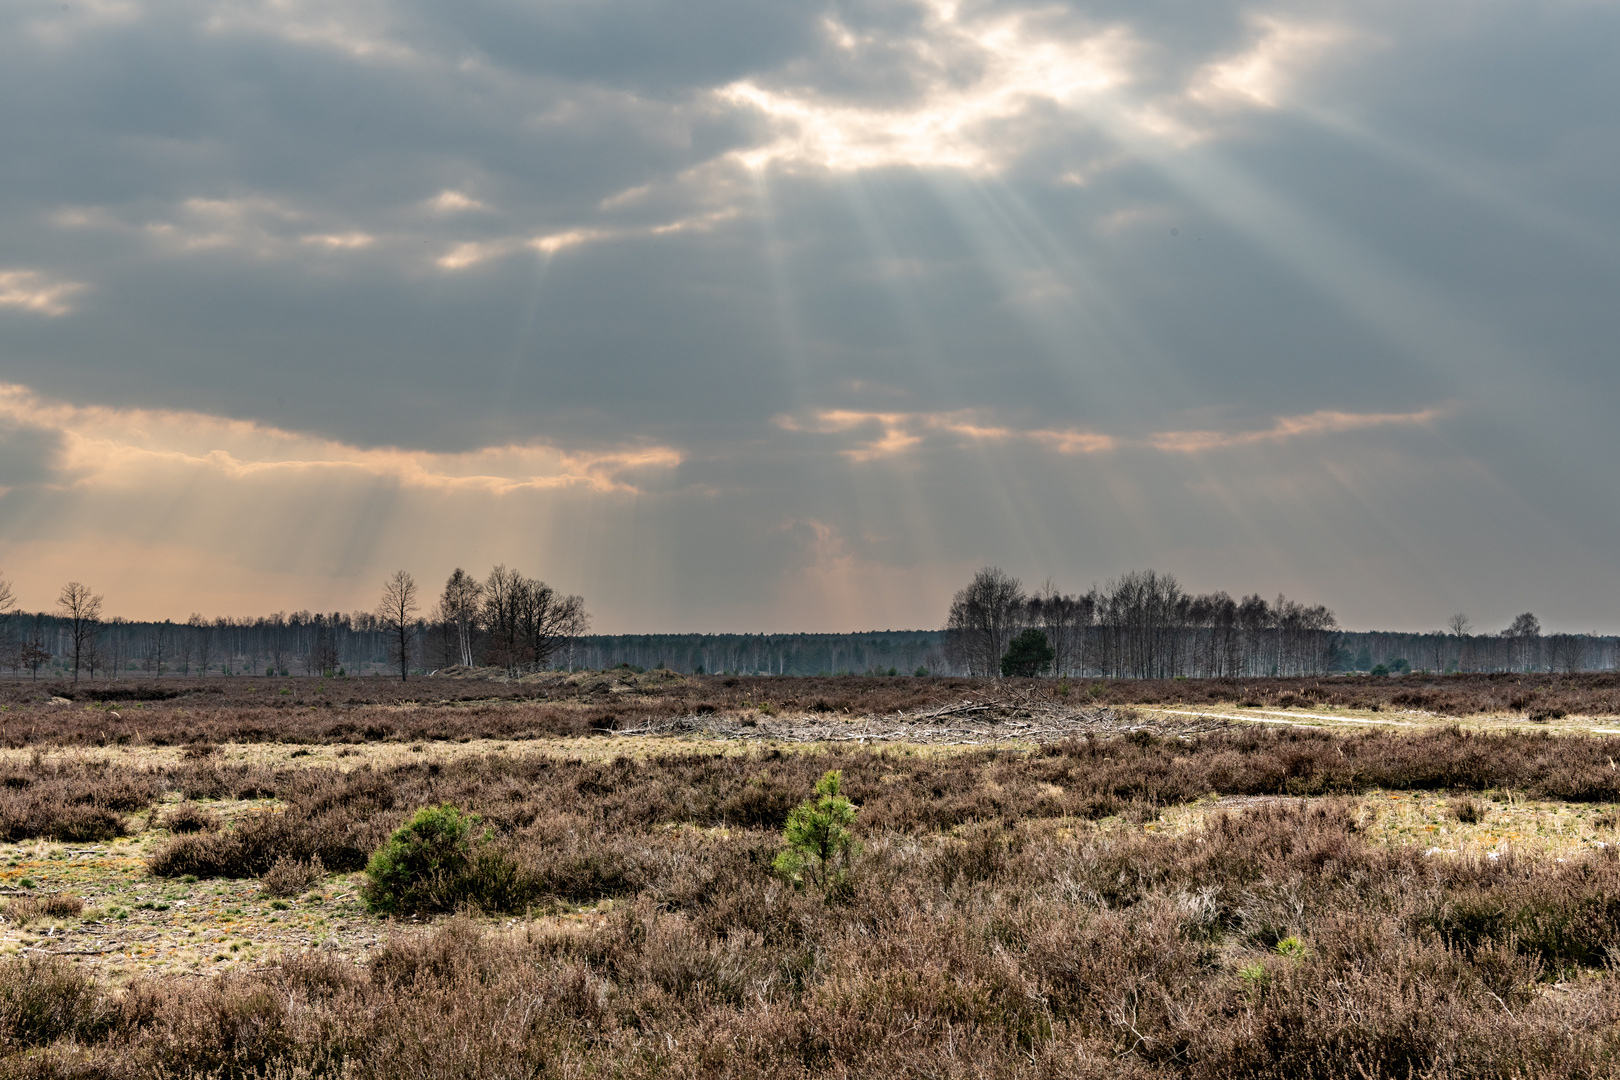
[[341, 712], [440, 861], [984, 932]]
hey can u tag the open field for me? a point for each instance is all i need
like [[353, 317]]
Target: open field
[[1153, 891]]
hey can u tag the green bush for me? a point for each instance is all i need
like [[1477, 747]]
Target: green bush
[[422, 864], [820, 845], [435, 862], [1029, 655]]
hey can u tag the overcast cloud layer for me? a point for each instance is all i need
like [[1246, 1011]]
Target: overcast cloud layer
[[735, 315]]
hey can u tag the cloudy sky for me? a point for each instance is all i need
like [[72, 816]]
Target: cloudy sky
[[751, 315]]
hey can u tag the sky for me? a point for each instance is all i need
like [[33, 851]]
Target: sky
[[739, 315]]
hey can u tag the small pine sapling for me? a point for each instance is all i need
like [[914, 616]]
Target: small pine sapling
[[819, 843]]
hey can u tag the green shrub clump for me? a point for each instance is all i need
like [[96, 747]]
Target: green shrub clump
[[820, 845], [1029, 655], [434, 862], [422, 862]]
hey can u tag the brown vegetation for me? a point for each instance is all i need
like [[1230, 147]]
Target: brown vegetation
[[342, 816], [289, 877], [73, 801], [1275, 943], [988, 927], [312, 710], [188, 817], [25, 909]]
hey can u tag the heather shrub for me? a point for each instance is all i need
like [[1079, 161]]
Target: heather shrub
[[226, 1028], [85, 825], [188, 817], [43, 814], [59, 905], [248, 849], [42, 999], [72, 801], [289, 877], [1275, 942], [256, 842]]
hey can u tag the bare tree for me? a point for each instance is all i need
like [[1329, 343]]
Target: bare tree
[[185, 646], [8, 608], [1459, 625], [1142, 615], [983, 617], [158, 647], [549, 620], [1524, 636], [81, 610], [1065, 620], [1566, 652], [397, 613], [117, 646], [458, 610], [33, 652], [527, 620], [501, 591]]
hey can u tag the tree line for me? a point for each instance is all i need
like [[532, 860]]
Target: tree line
[[1144, 625], [1141, 625], [871, 652], [507, 620]]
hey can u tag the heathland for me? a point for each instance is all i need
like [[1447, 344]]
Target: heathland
[[1273, 877]]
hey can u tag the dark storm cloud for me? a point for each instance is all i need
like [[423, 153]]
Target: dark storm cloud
[[902, 287]]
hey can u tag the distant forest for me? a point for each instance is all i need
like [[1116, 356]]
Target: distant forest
[[1139, 626]]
